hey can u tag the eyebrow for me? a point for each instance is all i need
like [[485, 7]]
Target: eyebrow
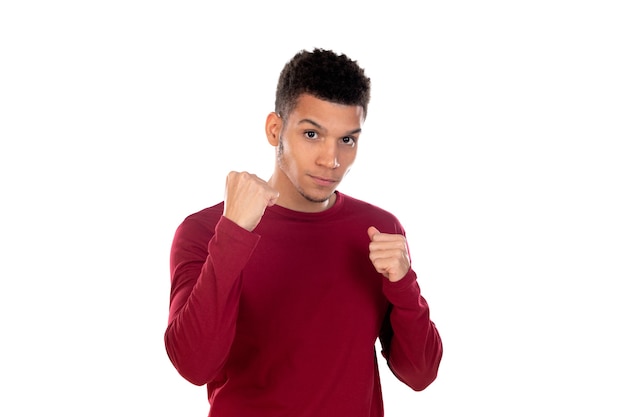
[[320, 127]]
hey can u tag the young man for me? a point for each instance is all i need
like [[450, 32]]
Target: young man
[[280, 291]]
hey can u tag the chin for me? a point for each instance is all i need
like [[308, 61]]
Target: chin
[[317, 198]]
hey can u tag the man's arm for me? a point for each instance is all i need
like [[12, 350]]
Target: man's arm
[[206, 279], [204, 300], [411, 343]]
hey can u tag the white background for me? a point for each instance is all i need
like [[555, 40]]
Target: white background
[[495, 134]]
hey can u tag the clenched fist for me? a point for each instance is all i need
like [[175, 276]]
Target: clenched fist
[[389, 254], [246, 198]]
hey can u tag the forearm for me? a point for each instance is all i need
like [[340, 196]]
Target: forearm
[[199, 336], [415, 349], [205, 301]]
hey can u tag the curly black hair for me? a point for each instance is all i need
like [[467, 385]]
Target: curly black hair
[[323, 74]]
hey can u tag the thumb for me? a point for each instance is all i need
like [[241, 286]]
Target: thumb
[[372, 231], [273, 198]]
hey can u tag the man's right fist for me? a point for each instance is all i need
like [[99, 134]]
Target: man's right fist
[[246, 198]]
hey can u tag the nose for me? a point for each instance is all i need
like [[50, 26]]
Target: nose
[[328, 155]]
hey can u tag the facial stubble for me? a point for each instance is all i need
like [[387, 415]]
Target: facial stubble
[[280, 158]]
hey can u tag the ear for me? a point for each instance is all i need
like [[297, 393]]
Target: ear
[[273, 127]]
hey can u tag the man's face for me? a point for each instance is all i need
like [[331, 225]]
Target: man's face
[[316, 148]]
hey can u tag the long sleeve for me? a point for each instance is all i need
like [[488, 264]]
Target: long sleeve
[[411, 343], [204, 301], [283, 320]]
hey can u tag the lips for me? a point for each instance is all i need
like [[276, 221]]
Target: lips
[[324, 182]]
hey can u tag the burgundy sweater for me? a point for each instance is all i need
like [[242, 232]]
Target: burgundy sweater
[[283, 321]]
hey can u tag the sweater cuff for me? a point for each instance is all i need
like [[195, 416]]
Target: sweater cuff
[[230, 238], [404, 291], [226, 225]]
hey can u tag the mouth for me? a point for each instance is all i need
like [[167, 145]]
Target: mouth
[[323, 181]]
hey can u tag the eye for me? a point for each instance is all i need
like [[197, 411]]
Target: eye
[[348, 140], [310, 134]]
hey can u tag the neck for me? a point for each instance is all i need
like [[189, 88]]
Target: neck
[[294, 199]]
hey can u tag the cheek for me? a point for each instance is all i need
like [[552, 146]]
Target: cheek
[[347, 158], [288, 157], [298, 153]]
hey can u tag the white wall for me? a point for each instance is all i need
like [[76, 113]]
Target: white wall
[[495, 133]]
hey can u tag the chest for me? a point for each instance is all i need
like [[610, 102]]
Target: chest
[[313, 279]]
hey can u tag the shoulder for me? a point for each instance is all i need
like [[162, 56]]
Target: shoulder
[[381, 218], [203, 221], [357, 205]]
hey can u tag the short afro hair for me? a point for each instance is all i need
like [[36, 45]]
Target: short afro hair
[[325, 75]]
